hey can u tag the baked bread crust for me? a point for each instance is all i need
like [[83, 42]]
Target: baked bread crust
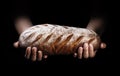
[[56, 39]]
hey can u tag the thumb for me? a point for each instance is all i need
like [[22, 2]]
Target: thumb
[[16, 44]]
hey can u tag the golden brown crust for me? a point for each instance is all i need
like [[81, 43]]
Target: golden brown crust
[[53, 39]]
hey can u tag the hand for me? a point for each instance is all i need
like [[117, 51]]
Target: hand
[[87, 51], [32, 53], [21, 24], [97, 24]]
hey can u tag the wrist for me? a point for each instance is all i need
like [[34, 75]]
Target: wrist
[[97, 25]]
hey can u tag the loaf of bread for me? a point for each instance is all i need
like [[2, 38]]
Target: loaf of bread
[[56, 39]]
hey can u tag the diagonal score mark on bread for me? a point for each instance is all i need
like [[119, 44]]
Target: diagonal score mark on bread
[[63, 43], [30, 36], [75, 43], [54, 45], [37, 38]]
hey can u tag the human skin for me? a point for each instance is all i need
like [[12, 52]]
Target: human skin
[[86, 51]]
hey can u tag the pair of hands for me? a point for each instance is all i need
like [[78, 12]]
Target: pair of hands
[[87, 51]]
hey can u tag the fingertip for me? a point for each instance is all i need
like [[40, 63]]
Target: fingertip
[[80, 52], [85, 44], [16, 44], [103, 46], [39, 55], [80, 48], [90, 45], [40, 52], [85, 52], [45, 56], [91, 48], [91, 51], [75, 55], [34, 48], [28, 48], [28, 52]]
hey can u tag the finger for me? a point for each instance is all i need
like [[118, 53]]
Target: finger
[[103, 45], [91, 51], [85, 52], [80, 51], [16, 44], [75, 55], [40, 55], [28, 52], [45, 56], [34, 55]]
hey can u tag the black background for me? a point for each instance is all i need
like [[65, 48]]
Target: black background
[[62, 13]]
